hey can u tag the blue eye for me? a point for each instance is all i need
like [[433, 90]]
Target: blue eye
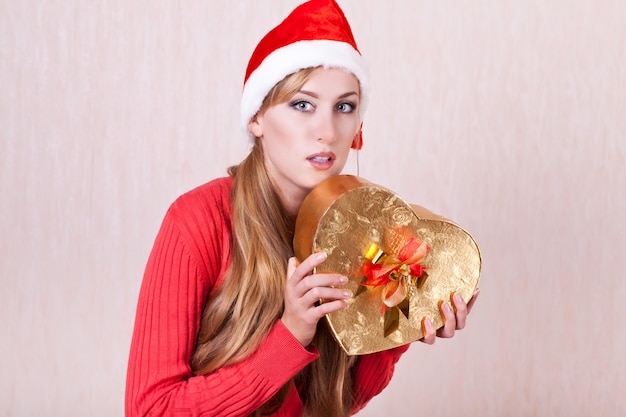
[[302, 105], [345, 107]]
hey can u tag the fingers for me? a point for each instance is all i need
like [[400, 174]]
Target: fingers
[[312, 288], [454, 315], [295, 272], [450, 322], [428, 330], [472, 300], [304, 290], [446, 331], [460, 309]]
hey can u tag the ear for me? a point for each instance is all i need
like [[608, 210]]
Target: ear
[[254, 127], [357, 142]]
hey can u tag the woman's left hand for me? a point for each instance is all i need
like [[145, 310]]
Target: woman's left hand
[[454, 318]]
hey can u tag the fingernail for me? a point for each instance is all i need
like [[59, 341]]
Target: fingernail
[[429, 323], [458, 298], [347, 294], [427, 326], [321, 256], [343, 279], [447, 307]]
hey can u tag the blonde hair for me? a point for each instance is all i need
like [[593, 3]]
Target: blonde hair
[[241, 312]]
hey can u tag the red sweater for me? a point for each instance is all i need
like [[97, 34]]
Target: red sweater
[[190, 255]]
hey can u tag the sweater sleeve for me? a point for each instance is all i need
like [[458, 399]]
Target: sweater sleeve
[[174, 289], [372, 373]]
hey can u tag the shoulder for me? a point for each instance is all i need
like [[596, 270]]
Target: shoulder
[[215, 192], [203, 219], [212, 199]]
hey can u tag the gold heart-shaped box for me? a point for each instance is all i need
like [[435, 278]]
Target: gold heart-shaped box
[[364, 227]]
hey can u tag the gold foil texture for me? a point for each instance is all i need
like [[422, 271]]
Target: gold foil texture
[[343, 216]]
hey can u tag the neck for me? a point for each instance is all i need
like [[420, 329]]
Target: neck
[[291, 204]]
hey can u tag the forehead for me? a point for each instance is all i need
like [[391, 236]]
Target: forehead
[[332, 80]]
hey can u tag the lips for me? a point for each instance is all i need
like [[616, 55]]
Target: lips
[[322, 160]]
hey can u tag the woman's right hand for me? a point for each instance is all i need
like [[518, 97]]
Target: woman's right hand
[[303, 293]]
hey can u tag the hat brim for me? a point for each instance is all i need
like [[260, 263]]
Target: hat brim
[[294, 57]]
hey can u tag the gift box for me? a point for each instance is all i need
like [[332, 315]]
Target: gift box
[[400, 266]]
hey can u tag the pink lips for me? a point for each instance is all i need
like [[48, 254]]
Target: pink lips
[[322, 160]]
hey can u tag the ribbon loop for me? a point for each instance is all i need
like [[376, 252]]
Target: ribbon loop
[[395, 273]]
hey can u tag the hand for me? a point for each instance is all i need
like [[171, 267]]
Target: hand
[[303, 292], [453, 318]]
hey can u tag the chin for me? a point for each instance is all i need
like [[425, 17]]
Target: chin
[[317, 179]]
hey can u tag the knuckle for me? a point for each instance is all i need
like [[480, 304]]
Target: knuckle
[[315, 293], [309, 281]]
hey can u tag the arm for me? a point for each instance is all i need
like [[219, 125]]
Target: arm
[[175, 286], [372, 374]]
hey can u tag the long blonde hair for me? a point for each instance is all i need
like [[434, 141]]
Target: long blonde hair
[[241, 311]]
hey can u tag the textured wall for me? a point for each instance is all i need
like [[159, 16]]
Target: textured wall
[[507, 117]]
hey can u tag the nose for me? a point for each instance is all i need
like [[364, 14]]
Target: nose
[[326, 131]]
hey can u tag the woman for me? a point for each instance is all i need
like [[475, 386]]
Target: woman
[[227, 323]]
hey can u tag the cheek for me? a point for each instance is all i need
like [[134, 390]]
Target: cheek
[[283, 128], [349, 129], [349, 121], [343, 148]]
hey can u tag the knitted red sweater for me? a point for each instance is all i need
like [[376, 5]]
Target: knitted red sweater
[[190, 255]]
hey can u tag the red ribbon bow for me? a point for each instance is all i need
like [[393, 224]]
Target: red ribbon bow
[[394, 272]]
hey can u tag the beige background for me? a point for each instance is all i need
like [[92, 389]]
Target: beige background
[[506, 116]]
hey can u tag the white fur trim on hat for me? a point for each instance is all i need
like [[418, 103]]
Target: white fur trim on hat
[[294, 57]]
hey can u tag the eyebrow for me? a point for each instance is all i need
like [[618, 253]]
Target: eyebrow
[[344, 95]]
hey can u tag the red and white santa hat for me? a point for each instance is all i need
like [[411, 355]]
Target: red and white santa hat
[[316, 33]]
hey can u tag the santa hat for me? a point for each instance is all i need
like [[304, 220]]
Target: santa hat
[[316, 33]]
